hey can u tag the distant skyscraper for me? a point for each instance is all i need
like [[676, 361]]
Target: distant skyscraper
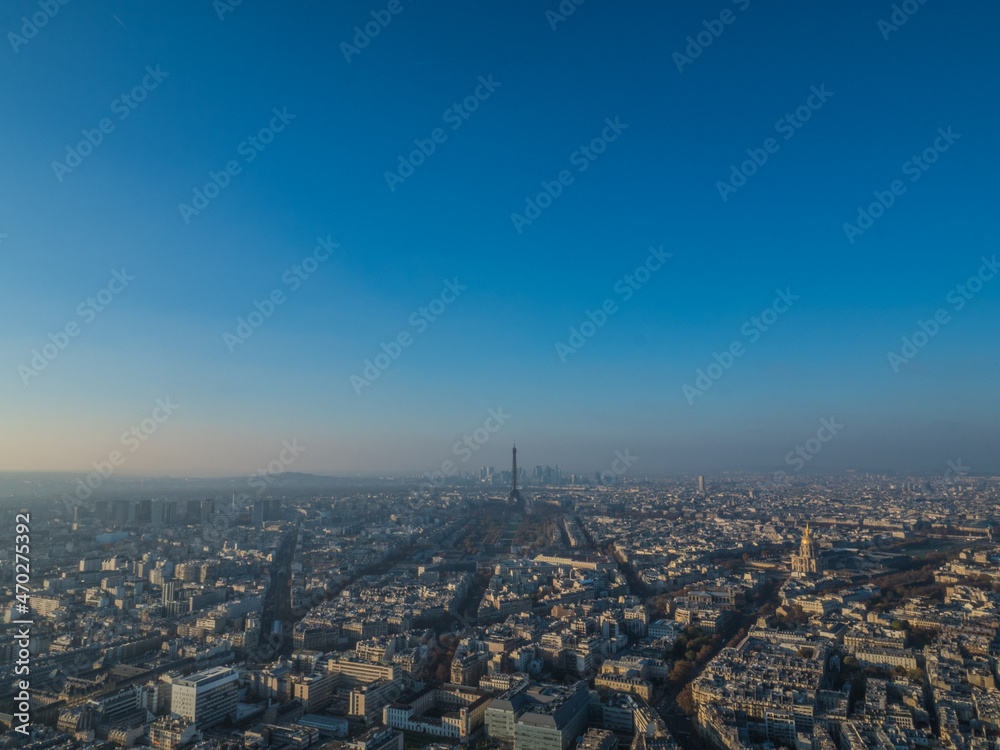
[[169, 591], [701, 484], [267, 509], [122, 511], [163, 512]]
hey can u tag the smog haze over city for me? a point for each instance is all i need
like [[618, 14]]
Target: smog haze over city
[[572, 375]]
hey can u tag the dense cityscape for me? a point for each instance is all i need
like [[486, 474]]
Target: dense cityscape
[[510, 609], [442, 375]]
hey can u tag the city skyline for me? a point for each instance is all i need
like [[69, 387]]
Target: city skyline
[[574, 375]]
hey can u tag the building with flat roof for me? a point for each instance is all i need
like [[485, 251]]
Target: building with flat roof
[[314, 690], [169, 732], [206, 698], [449, 711], [367, 700], [539, 716], [380, 738], [359, 670], [331, 726], [598, 739]]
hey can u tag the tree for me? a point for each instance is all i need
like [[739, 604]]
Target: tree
[[685, 701], [698, 643], [679, 647], [661, 603], [796, 615], [680, 673]]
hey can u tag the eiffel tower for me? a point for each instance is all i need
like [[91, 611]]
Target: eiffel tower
[[514, 498]]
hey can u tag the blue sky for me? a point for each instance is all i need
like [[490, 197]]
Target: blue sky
[[657, 184]]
